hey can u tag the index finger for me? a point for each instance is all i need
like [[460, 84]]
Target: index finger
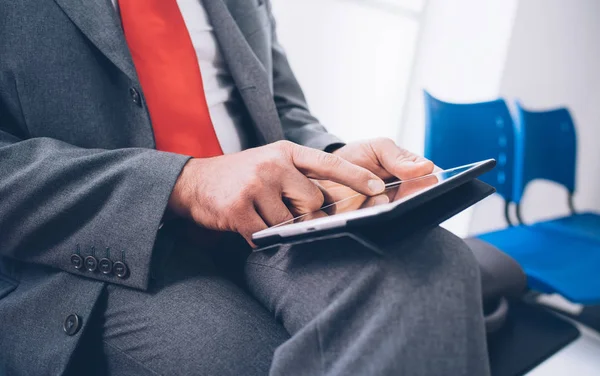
[[317, 164]]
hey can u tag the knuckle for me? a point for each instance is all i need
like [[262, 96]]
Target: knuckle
[[316, 201], [406, 155], [226, 219], [387, 146], [243, 227], [329, 160], [248, 226], [240, 204], [272, 163], [286, 217], [282, 216], [233, 208], [254, 186], [298, 150], [284, 145], [313, 198]]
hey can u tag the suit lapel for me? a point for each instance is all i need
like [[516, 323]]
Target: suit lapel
[[247, 71], [99, 22]]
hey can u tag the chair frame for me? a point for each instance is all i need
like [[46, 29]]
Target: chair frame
[[570, 202]]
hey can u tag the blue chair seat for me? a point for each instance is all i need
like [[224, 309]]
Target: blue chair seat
[[583, 225], [554, 262]]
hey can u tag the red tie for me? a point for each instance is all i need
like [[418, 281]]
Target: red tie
[[167, 66]]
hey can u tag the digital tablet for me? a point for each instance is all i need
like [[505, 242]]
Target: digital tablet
[[348, 208]]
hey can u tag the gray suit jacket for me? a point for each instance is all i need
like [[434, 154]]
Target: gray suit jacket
[[78, 165]]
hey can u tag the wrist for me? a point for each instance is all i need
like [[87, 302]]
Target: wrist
[[180, 200]]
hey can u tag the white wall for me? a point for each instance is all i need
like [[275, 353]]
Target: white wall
[[353, 60], [554, 59], [461, 57]]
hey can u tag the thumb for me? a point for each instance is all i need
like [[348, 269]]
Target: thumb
[[400, 162]]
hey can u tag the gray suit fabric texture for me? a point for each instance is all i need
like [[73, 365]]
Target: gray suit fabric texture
[[79, 171]]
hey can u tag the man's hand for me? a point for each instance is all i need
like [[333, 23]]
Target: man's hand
[[384, 158], [248, 191]]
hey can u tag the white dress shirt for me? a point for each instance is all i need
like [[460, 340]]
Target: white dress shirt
[[224, 104]]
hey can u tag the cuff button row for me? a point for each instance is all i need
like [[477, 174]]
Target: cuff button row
[[106, 266]]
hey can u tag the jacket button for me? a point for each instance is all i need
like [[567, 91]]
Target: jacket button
[[105, 266], [76, 261], [72, 324], [91, 263], [120, 269], [135, 96]]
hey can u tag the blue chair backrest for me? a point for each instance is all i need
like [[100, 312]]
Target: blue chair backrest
[[458, 134], [546, 148]]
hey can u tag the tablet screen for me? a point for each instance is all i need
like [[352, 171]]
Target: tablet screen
[[340, 199]]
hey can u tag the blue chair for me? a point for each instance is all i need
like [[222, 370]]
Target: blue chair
[[459, 134], [554, 262], [554, 159]]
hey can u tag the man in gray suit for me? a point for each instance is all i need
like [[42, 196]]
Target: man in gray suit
[[97, 272]]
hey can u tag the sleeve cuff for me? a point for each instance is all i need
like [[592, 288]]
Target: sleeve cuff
[[315, 136], [131, 228]]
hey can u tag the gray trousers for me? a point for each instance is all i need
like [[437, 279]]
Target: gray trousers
[[330, 308]]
